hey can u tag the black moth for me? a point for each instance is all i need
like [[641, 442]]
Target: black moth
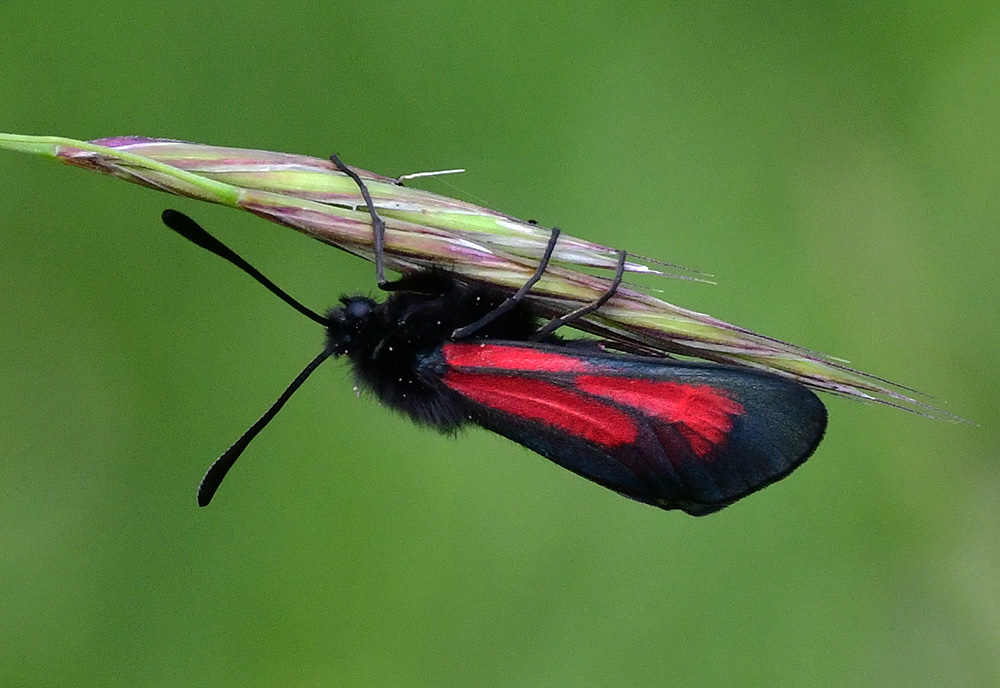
[[677, 435]]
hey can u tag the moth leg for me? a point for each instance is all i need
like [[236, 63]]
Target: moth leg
[[518, 296], [554, 324], [378, 224]]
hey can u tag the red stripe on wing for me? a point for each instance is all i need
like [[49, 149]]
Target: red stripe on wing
[[702, 414], [555, 406], [503, 357]]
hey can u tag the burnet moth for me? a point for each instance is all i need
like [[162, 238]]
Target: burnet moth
[[692, 436]]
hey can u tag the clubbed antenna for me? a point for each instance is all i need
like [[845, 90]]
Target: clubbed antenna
[[191, 230], [195, 233], [220, 467]]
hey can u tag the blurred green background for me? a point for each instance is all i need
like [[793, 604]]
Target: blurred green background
[[835, 167]]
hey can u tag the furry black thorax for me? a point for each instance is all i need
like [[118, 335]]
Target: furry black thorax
[[388, 343]]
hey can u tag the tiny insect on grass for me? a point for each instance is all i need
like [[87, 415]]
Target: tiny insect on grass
[[676, 435]]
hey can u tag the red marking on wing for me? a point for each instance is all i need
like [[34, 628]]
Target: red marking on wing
[[551, 404], [703, 414], [502, 357]]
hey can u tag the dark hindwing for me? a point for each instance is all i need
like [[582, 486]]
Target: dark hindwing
[[689, 436]]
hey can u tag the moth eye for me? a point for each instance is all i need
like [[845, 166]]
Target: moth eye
[[358, 308]]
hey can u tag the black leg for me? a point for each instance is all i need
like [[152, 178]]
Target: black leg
[[518, 296], [556, 323], [378, 224]]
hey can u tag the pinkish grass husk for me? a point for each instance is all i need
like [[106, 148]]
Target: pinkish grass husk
[[425, 230]]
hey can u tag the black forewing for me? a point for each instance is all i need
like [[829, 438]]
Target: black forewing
[[729, 432]]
